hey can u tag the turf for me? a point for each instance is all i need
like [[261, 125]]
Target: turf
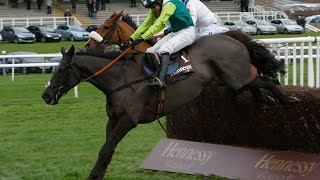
[[40, 141]]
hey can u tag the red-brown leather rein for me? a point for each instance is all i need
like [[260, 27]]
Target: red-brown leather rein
[[108, 65], [116, 59]]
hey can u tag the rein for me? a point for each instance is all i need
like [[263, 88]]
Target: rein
[[107, 66], [116, 59]]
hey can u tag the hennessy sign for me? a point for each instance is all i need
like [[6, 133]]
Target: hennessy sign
[[232, 162]]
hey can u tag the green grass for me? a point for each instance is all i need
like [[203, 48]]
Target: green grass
[[40, 141], [40, 48]]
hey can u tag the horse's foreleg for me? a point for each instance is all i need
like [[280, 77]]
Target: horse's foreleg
[[261, 98], [269, 85], [116, 130]]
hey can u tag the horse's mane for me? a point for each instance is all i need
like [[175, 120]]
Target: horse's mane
[[99, 51], [128, 19]]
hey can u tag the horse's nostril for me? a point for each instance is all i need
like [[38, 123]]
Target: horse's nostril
[[45, 96]]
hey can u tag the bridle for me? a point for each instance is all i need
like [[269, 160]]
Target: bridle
[[107, 41], [63, 89]]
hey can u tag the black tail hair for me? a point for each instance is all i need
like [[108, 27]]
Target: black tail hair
[[260, 56]]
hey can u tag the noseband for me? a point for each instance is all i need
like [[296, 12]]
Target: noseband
[[63, 90]]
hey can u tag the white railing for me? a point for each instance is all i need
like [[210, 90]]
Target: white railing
[[298, 50], [28, 21], [138, 18], [13, 65], [312, 28]]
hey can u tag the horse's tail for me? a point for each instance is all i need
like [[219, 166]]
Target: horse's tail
[[260, 56]]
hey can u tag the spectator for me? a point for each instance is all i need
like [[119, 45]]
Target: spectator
[[28, 4], [299, 21], [89, 6], [244, 6], [49, 4], [98, 5], [67, 15], [303, 23], [94, 9], [15, 4], [103, 4], [73, 5], [133, 3], [39, 3]]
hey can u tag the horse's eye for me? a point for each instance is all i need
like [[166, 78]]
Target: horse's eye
[[61, 70], [106, 27]]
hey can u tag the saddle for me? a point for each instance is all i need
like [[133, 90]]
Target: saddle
[[179, 66]]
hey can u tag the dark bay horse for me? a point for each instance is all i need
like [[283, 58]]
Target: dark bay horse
[[130, 101]]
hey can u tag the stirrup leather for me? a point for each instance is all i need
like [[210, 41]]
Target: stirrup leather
[[156, 82]]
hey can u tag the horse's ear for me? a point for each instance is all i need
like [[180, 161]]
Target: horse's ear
[[117, 16], [113, 14], [63, 51], [70, 53]]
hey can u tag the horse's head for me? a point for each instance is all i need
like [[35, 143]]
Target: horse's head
[[108, 32], [65, 77]]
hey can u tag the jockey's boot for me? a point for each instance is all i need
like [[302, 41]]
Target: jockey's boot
[[160, 81]]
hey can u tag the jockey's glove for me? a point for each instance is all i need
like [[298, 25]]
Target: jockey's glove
[[167, 31], [127, 43], [136, 42]]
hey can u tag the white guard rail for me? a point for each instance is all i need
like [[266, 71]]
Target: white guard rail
[[32, 65], [296, 50], [49, 21]]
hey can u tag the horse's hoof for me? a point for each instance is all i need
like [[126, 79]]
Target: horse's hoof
[[293, 100], [268, 100]]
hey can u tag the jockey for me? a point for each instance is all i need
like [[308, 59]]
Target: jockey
[[183, 32], [205, 21]]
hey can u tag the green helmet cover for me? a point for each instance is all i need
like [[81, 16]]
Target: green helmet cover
[[149, 3]]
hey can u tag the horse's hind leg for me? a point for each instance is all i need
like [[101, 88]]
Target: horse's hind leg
[[116, 130], [259, 82]]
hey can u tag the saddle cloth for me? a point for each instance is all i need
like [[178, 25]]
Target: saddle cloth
[[179, 66]]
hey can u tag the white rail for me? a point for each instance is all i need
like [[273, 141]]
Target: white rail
[[28, 21], [28, 64], [13, 65], [299, 50]]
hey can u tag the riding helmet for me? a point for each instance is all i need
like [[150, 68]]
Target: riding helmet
[[149, 3]]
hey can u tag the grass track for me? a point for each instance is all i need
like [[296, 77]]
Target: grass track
[[39, 141]]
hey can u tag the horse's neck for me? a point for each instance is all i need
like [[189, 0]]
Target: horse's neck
[[126, 31], [117, 75]]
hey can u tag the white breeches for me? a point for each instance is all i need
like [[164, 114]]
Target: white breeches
[[211, 29], [174, 42]]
